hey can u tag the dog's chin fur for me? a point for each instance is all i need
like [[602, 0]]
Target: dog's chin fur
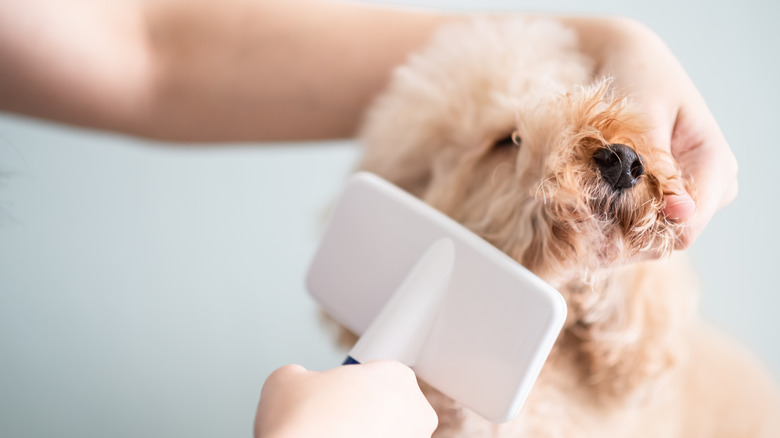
[[495, 123]]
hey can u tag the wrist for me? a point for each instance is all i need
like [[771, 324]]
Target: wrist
[[604, 38]]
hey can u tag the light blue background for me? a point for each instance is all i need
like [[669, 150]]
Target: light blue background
[[148, 289]]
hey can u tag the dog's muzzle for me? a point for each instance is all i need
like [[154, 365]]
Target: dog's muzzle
[[620, 166]]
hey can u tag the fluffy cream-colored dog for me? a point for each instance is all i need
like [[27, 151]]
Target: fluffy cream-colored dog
[[503, 126]]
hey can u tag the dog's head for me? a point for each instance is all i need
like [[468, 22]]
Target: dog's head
[[567, 185], [520, 143]]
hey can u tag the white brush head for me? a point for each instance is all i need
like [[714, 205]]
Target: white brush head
[[469, 320]]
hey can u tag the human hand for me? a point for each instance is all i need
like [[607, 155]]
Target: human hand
[[681, 124], [376, 399]]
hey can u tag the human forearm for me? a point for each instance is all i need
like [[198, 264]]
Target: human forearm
[[274, 69], [293, 69], [201, 70], [205, 71], [80, 62]]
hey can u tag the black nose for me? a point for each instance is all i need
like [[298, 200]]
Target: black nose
[[620, 165]]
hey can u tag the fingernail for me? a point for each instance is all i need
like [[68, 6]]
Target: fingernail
[[680, 207]]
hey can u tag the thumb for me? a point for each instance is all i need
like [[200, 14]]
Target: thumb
[[678, 203], [679, 206]]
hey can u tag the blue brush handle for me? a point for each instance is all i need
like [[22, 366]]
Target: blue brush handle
[[350, 361]]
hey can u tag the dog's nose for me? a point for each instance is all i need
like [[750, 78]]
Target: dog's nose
[[620, 165]]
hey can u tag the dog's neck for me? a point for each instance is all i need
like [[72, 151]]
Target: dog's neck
[[623, 329]]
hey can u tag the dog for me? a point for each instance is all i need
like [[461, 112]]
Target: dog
[[505, 126]]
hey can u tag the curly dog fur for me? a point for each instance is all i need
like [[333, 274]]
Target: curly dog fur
[[496, 123]]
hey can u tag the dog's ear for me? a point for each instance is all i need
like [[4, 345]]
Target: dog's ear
[[404, 136], [407, 167]]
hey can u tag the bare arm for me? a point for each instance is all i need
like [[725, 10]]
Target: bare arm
[[278, 69], [81, 61], [203, 70]]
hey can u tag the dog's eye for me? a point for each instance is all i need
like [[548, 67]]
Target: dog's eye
[[512, 140]]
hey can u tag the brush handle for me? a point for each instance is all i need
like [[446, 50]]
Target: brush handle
[[350, 361], [400, 329]]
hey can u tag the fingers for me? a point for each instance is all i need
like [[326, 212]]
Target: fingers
[[282, 377], [689, 132], [378, 395], [291, 369], [707, 164], [286, 373], [679, 207], [403, 378], [391, 367], [682, 125], [276, 397]]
